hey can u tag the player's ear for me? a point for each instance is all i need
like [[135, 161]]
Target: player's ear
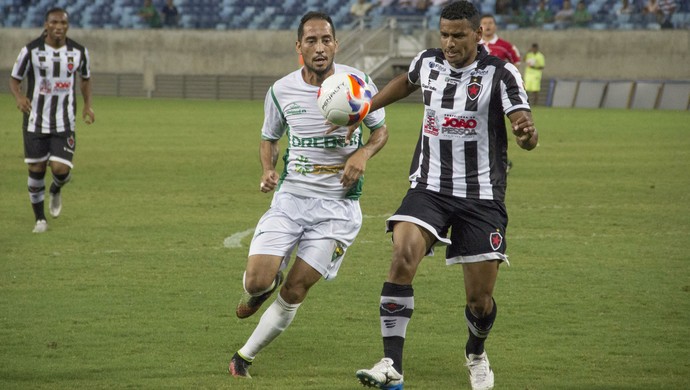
[[298, 47]]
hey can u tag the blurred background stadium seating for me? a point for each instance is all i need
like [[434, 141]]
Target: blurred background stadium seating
[[608, 64], [285, 14]]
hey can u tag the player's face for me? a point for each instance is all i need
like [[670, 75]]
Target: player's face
[[459, 41], [56, 28], [488, 27], [318, 47]]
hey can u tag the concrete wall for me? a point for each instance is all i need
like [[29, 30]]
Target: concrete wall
[[581, 54]]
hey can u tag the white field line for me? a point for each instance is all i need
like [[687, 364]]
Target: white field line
[[235, 241]]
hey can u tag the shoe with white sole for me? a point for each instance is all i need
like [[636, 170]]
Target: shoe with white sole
[[41, 226], [55, 205], [481, 375], [381, 376]]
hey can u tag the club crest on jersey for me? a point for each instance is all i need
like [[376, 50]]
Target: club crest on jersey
[[474, 88], [496, 240], [431, 123], [70, 141]]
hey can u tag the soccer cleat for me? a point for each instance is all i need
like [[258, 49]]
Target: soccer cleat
[[239, 366], [481, 375], [41, 226], [381, 376], [55, 204], [250, 304]]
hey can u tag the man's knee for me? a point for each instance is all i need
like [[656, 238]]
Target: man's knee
[[257, 283], [481, 305], [59, 169]]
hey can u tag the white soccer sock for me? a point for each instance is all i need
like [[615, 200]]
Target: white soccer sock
[[273, 322]]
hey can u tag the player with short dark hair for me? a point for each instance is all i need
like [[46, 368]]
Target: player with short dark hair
[[315, 209], [50, 64], [458, 185]]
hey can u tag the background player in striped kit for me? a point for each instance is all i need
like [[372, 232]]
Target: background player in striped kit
[[51, 63], [458, 183], [315, 208]]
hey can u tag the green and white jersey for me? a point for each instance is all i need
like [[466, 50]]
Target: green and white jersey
[[314, 160]]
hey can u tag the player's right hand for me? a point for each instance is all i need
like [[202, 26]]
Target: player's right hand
[[350, 130], [269, 181], [24, 105]]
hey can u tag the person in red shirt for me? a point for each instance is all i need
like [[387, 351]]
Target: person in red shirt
[[496, 46]]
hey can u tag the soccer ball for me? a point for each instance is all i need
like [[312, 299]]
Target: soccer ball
[[344, 99]]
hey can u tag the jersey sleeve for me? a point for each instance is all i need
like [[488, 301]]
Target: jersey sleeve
[[274, 121], [22, 65], [514, 54], [513, 94]]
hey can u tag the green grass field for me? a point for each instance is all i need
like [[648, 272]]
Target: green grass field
[[132, 287]]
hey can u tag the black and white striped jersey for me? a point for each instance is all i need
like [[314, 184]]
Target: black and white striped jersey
[[462, 149], [51, 83]]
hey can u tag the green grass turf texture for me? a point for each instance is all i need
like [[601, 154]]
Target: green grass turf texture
[[132, 287]]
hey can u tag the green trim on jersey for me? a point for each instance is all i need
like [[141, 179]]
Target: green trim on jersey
[[280, 109]]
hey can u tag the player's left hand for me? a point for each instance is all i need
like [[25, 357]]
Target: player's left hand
[[88, 115], [524, 131], [354, 168]]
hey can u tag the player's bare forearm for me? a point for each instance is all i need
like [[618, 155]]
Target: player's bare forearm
[[396, 89], [357, 163], [268, 153], [523, 128], [87, 113], [23, 103], [377, 140]]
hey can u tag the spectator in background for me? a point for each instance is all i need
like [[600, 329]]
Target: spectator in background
[[651, 11], [361, 8], [171, 16], [564, 17], [503, 7], [150, 15], [666, 10], [625, 8], [581, 16], [542, 15], [535, 66], [520, 17], [411, 7], [498, 47]]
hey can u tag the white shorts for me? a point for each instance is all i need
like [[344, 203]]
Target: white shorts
[[320, 229]]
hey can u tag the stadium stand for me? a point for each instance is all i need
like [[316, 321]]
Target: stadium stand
[[393, 36], [285, 14]]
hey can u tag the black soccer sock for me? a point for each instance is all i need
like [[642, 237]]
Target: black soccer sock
[[397, 305], [479, 329], [59, 181], [37, 190]]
